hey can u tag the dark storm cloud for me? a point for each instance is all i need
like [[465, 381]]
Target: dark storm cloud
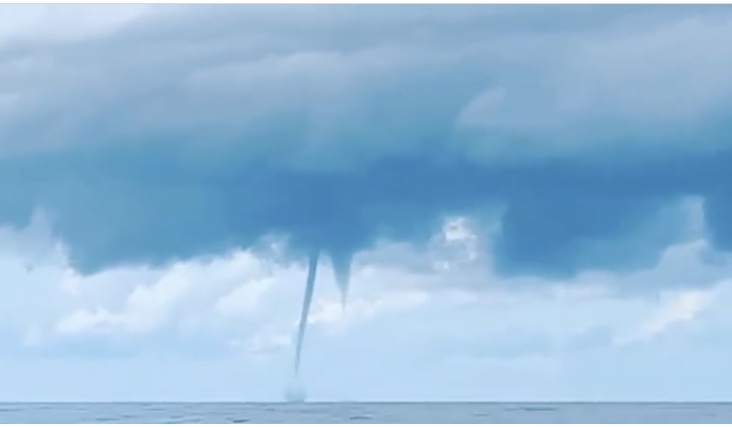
[[195, 130]]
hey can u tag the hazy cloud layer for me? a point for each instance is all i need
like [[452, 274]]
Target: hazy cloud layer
[[415, 327]]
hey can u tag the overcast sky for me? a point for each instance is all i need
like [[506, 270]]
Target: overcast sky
[[533, 201]]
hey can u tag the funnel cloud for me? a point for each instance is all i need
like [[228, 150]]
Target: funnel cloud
[[306, 301]]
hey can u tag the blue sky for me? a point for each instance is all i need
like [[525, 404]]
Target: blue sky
[[532, 201]]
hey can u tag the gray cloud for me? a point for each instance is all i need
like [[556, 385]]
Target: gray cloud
[[190, 130]]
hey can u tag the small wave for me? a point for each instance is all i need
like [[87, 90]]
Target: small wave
[[359, 417], [537, 409]]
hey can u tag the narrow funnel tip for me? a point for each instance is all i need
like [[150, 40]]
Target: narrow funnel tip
[[344, 301]]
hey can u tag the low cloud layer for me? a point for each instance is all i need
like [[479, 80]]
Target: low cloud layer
[[172, 132]]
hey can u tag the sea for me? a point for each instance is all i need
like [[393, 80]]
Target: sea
[[364, 413]]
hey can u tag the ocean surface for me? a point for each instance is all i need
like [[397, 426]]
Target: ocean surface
[[221, 413]]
